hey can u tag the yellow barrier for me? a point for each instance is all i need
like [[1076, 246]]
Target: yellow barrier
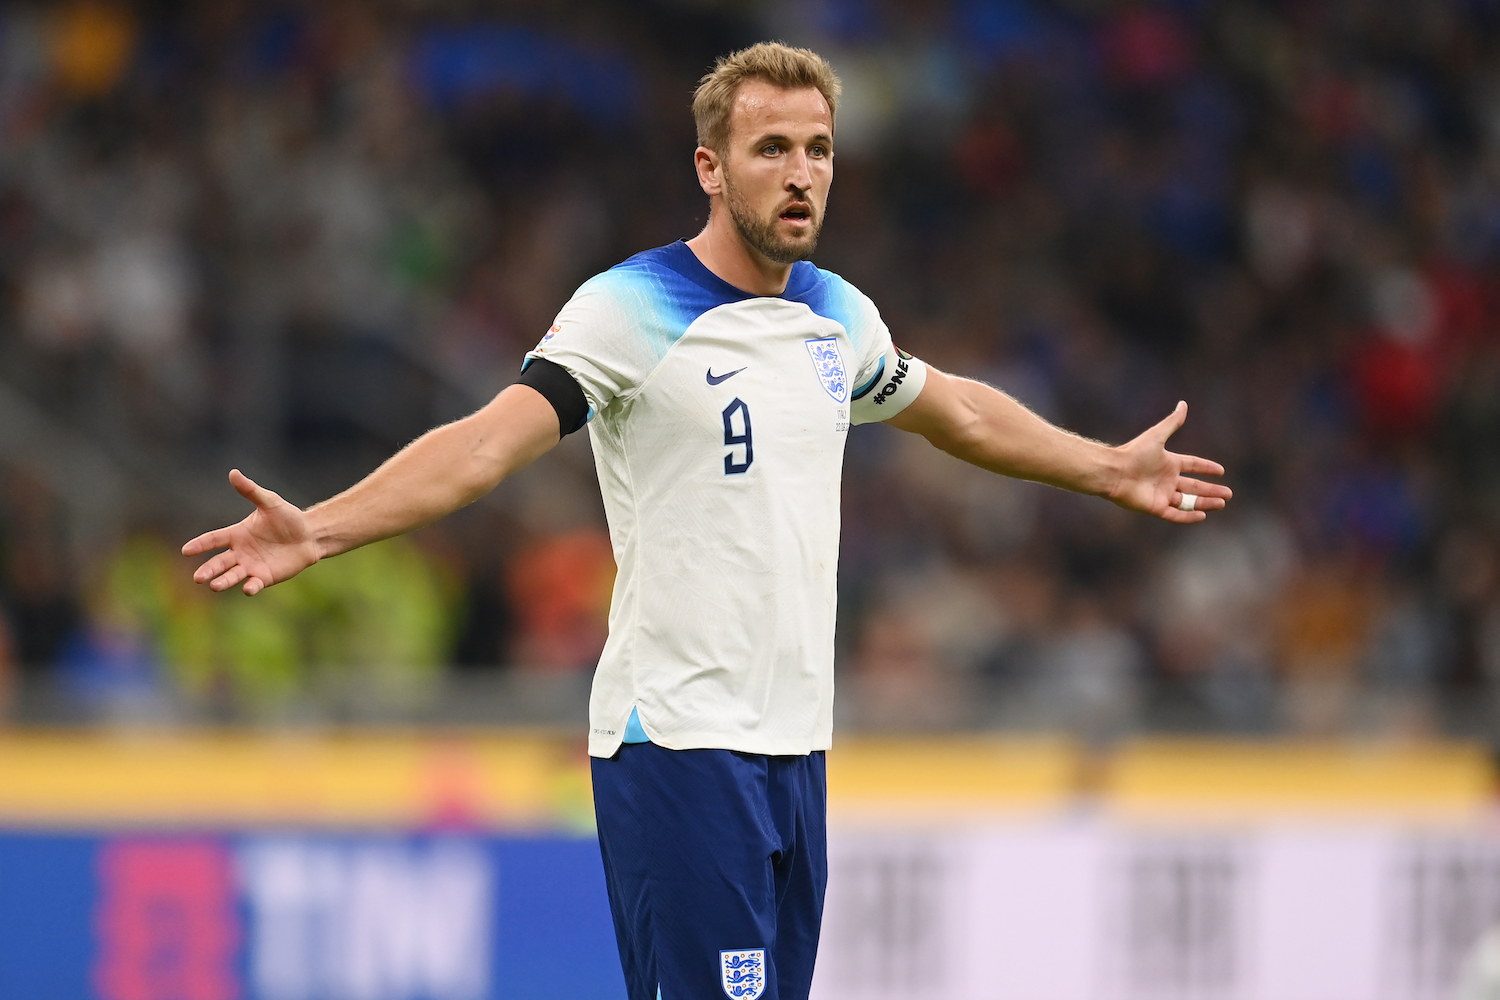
[[945, 778], [1234, 779], [358, 780], [539, 780]]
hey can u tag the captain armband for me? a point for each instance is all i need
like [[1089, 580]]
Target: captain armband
[[896, 383], [561, 389]]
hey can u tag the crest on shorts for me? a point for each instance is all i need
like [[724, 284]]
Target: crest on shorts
[[743, 973], [830, 367]]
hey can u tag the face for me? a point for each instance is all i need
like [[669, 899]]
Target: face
[[778, 168]]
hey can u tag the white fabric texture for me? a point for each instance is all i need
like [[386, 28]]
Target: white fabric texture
[[718, 421]]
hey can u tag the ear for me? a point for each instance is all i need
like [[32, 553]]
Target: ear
[[710, 174]]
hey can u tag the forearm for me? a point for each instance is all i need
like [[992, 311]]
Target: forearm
[[445, 469], [988, 428]]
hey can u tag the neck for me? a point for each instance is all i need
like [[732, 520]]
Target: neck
[[721, 249]]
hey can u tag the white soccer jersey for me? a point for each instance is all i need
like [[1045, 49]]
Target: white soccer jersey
[[718, 421]]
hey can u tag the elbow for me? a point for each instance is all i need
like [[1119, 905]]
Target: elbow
[[482, 473], [476, 485], [477, 469]]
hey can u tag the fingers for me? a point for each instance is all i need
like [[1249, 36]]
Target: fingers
[[1200, 466], [220, 538], [231, 576], [1206, 497], [1204, 490], [1183, 516], [224, 571], [207, 542], [215, 566], [253, 584], [1202, 503]]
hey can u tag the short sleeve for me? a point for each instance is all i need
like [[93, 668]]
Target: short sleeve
[[603, 338], [888, 378], [897, 382]]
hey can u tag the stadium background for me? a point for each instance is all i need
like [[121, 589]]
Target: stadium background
[[289, 237]]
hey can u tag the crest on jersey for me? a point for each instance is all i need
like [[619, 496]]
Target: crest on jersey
[[830, 367], [743, 973]]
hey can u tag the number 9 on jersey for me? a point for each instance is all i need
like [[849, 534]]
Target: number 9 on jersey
[[732, 438]]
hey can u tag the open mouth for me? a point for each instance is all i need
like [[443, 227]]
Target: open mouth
[[797, 213]]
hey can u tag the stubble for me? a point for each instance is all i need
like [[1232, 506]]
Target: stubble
[[761, 235]]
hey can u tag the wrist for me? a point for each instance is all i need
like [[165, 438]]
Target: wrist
[[1109, 473], [322, 542]]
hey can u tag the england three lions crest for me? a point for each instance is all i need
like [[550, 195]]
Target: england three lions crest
[[830, 367], [744, 972]]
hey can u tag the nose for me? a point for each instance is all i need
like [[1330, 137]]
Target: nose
[[799, 177]]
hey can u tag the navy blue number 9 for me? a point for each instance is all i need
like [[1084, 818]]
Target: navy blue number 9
[[731, 467]]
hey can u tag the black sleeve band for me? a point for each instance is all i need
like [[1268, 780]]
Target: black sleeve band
[[555, 382]]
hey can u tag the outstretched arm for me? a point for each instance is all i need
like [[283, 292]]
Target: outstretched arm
[[435, 475], [989, 429]]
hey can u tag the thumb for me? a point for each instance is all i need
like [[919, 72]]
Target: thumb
[[1172, 423], [247, 488]]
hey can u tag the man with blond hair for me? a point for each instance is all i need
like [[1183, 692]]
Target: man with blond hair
[[718, 377]]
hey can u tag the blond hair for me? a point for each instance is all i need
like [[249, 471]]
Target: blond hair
[[774, 62]]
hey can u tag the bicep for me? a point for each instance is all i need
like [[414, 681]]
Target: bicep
[[514, 429], [942, 410], [526, 420], [973, 421]]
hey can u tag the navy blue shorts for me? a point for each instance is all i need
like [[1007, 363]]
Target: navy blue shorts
[[716, 863]]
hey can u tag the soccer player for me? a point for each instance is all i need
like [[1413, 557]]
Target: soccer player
[[718, 378]]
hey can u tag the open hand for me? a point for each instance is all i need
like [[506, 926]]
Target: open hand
[[273, 544], [1154, 480]]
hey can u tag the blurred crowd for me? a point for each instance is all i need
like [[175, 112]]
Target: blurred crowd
[[289, 237]]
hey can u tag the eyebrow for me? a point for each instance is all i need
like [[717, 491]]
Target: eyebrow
[[822, 137]]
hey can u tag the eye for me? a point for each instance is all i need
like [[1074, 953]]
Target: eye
[[770, 149], [819, 151]]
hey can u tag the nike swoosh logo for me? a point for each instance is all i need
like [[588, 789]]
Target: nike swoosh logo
[[716, 379]]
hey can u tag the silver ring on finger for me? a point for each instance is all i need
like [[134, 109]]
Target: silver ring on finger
[[1189, 501]]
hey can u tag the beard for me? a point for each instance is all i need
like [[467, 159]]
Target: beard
[[761, 234]]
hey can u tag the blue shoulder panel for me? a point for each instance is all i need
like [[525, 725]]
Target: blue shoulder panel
[[664, 290], [681, 287], [661, 292], [831, 297]]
